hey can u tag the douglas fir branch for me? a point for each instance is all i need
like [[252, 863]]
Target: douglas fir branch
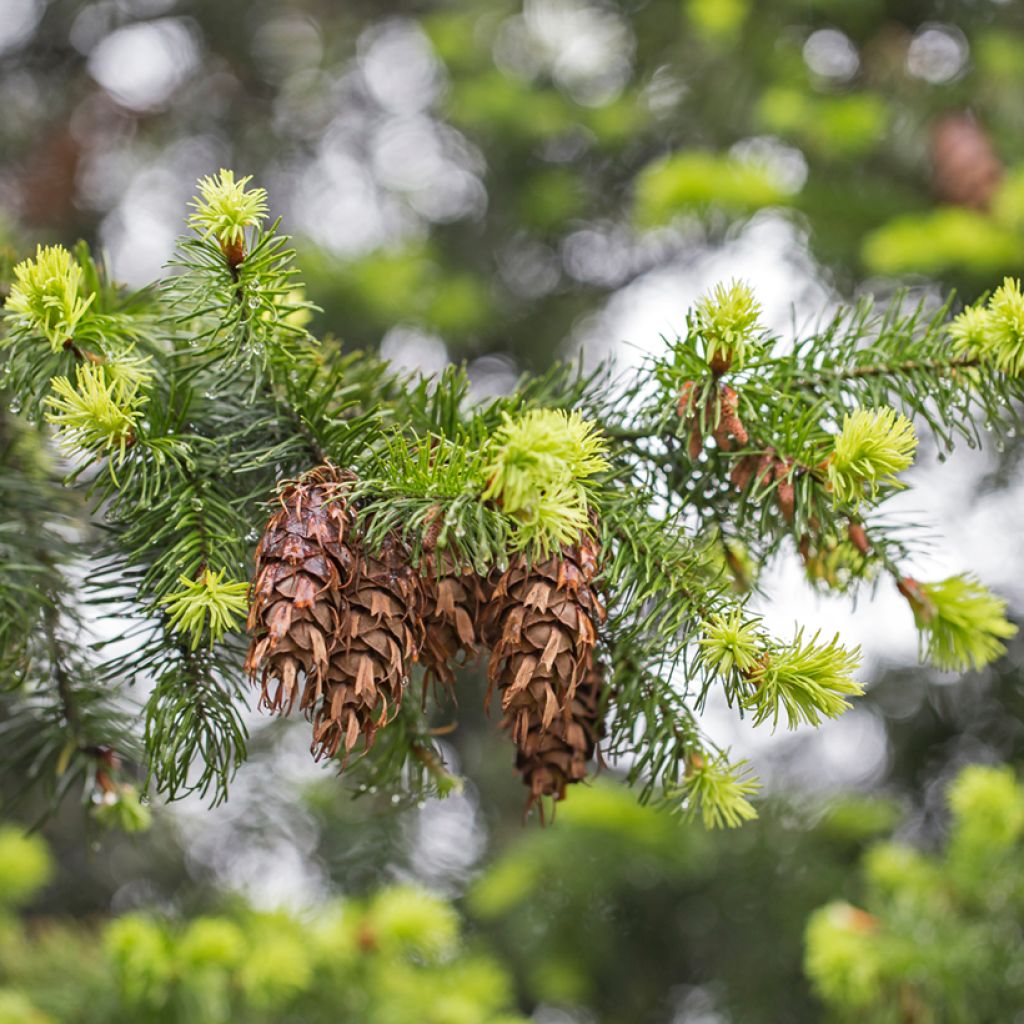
[[192, 462]]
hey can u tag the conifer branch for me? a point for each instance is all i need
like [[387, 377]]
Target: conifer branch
[[938, 367], [609, 520]]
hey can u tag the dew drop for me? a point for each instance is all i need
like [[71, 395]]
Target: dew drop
[[396, 798], [942, 456]]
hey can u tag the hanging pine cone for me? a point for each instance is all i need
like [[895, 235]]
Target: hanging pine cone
[[377, 642], [541, 621], [324, 610], [302, 562], [553, 757]]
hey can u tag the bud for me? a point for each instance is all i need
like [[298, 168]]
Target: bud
[[807, 679], [99, 413], [47, 293], [995, 332], [963, 625], [727, 322], [537, 467], [224, 209], [207, 604], [971, 330], [717, 791], [872, 447], [858, 538], [730, 642], [1006, 311]]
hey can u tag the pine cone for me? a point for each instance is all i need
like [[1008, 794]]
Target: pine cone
[[301, 563], [453, 596], [541, 621], [378, 639], [326, 612], [553, 757]]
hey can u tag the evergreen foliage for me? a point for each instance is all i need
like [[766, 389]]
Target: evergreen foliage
[[938, 938], [224, 208], [961, 623], [994, 331], [873, 446], [47, 293], [728, 909], [195, 400], [398, 956]]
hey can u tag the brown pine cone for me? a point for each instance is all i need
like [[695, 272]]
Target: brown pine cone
[[302, 561], [552, 757], [326, 613], [541, 621]]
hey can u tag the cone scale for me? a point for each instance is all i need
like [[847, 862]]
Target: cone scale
[[453, 598]]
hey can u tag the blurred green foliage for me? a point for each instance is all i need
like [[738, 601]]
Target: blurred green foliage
[[694, 180], [835, 128], [939, 240], [395, 958], [615, 905], [487, 171], [25, 867], [940, 937]]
